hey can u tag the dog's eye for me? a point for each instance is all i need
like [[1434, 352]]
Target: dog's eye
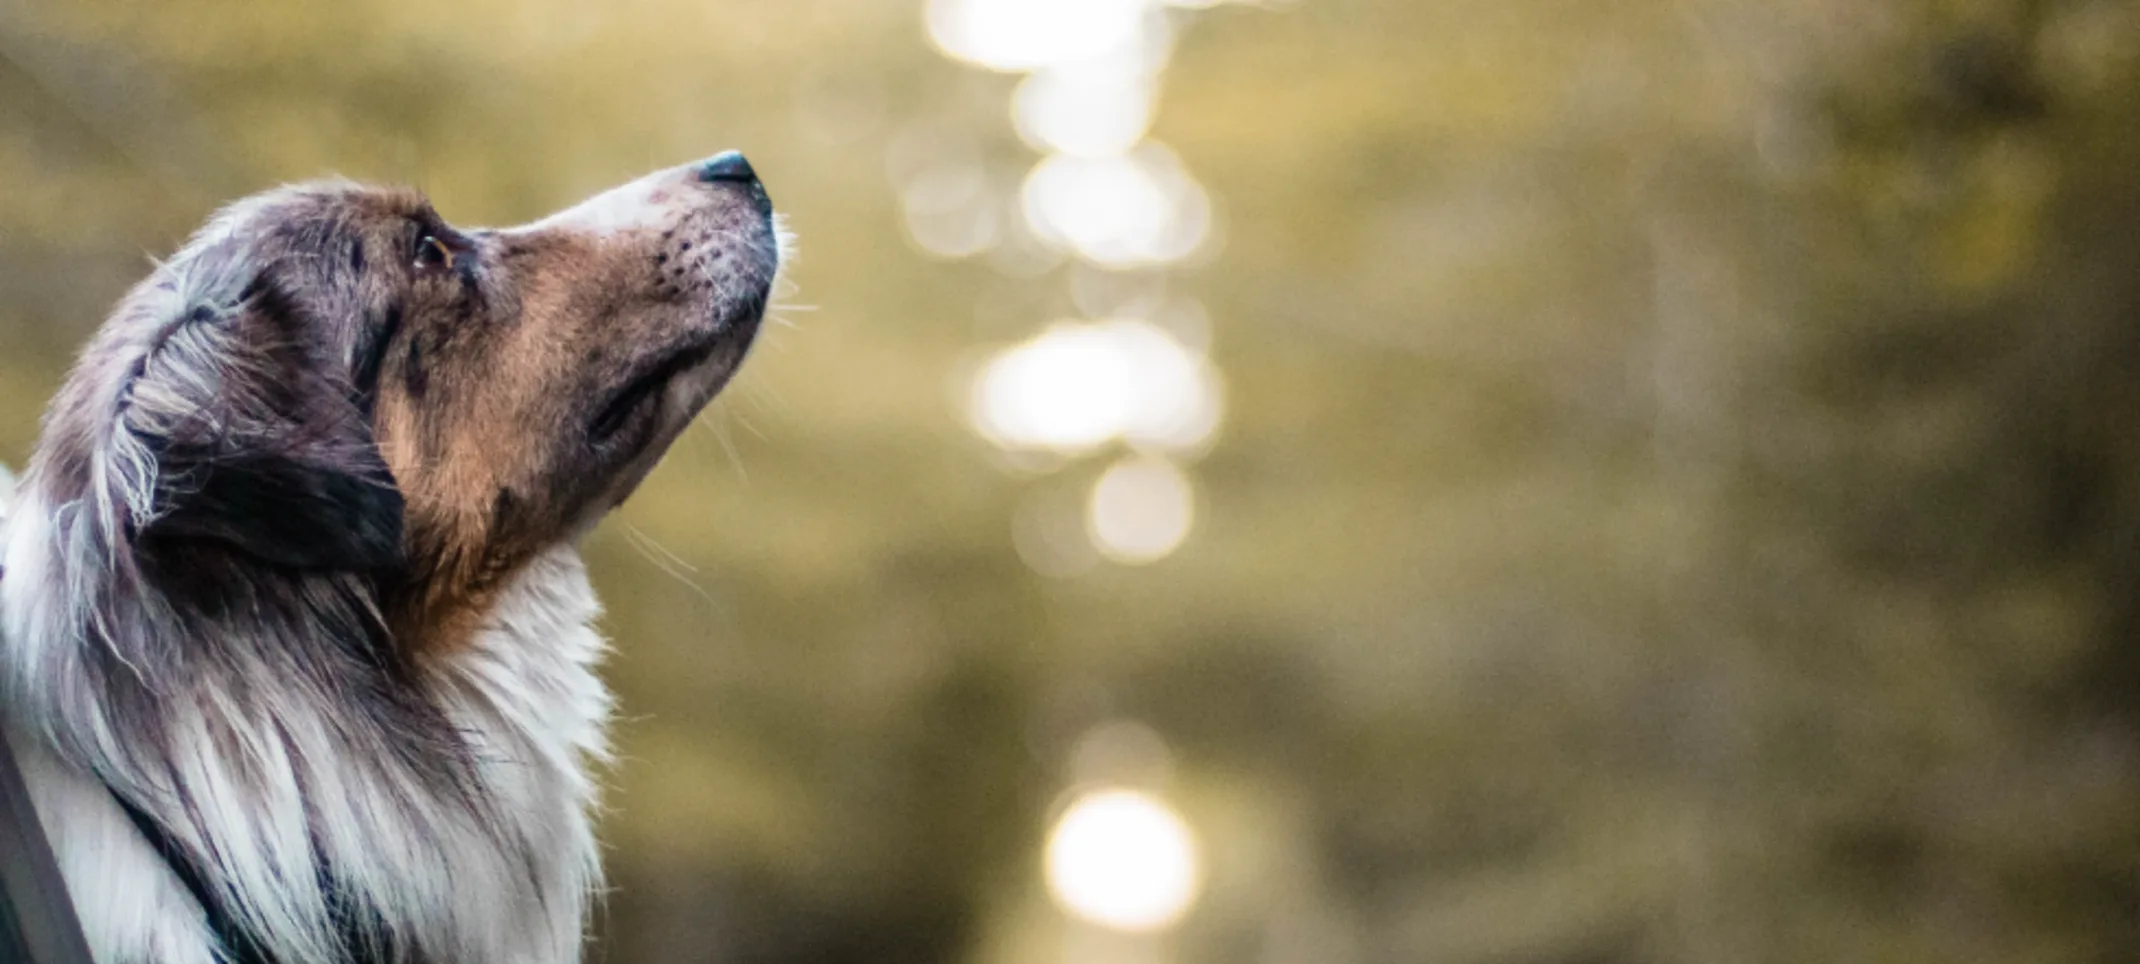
[[432, 254]]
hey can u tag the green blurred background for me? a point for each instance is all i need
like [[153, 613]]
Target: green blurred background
[[1644, 481]]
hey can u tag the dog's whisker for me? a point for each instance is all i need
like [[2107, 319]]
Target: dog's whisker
[[657, 552], [669, 563], [735, 458], [744, 421], [766, 397]]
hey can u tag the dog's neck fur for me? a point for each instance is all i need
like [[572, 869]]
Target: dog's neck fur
[[438, 811]]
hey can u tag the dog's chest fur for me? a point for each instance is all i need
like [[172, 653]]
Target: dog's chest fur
[[298, 815]]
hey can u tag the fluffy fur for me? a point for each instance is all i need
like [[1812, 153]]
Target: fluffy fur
[[298, 655]]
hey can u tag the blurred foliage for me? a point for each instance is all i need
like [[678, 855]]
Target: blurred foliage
[[1680, 500]]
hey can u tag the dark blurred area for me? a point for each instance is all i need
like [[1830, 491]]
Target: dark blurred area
[[1329, 482]]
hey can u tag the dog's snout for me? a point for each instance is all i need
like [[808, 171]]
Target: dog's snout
[[732, 167]]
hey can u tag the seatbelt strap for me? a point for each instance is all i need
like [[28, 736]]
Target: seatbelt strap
[[37, 922], [236, 940]]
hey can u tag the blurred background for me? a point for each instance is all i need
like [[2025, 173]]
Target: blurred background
[[1328, 482]]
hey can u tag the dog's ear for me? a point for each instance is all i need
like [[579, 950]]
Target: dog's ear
[[255, 439]]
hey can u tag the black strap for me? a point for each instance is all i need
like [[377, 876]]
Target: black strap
[[37, 922], [238, 943], [365, 937]]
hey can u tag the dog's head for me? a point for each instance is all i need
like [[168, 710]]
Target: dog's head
[[332, 377]]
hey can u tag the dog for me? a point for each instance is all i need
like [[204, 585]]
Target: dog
[[295, 646]]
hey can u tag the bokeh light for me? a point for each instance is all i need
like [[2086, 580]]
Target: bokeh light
[[1067, 389], [1014, 35], [1123, 859], [1175, 394], [1141, 510], [1121, 751], [949, 210], [1048, 530], [1078, 385], [1138, 209], [1093, 110]]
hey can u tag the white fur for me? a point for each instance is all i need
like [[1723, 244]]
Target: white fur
[[524, 693]]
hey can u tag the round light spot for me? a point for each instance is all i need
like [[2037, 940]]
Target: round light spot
[[1123, 859], [949, 210], [1136, 210], [1017, 35], [1077, 385], [1141, 510], [1048, 532], [1176, 399], [1067, 389], [1095, 110]]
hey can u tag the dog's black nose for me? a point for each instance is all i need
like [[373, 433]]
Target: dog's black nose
[[730, 167]]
